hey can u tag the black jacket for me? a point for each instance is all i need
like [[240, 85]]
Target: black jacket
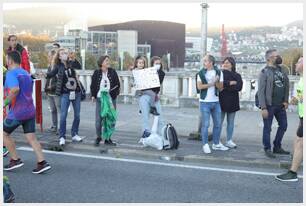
[[59, 70], [50, 86], [161, 75], [75, 64], [229, 96], [114, 82]]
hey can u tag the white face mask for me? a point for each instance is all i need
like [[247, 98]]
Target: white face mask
[[64, 57], [157, 66]]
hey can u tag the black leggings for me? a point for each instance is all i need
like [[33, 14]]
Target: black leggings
[[299, 131]]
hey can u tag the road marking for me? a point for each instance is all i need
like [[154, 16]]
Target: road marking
[[155, 163]]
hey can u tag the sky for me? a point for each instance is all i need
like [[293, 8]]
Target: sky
[[230, 14]]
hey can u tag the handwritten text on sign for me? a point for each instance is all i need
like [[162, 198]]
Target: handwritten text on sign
[[146, 78]]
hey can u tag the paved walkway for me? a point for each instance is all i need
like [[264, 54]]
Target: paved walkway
[[247, 135]]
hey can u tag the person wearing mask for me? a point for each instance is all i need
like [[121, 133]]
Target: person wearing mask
[[148, 100], [229, 97], [273, 92], [67, 87]]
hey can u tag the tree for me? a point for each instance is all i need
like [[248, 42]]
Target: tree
[[290, 57], [42, 60], [165, 62], [34, 43], [90, 62], [128, 61], [114, 60]]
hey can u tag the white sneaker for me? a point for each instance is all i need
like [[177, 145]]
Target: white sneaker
[[206, 149], [230, 144], [76, 138], [219, 146], [62, 141], [140, 141]]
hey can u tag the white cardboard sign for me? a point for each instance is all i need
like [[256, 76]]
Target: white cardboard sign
[[146, 78]]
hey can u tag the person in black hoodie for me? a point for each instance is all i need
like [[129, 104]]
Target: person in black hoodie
[[229, 97], [104, 78]]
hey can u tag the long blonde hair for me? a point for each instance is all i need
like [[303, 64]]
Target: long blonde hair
[[56, 60]]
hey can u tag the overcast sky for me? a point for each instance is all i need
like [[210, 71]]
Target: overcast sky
[[230, 14]]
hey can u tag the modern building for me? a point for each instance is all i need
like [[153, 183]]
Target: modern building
[[74, 40], [144, 49], [127, 42], [102, 43], [163, 37]]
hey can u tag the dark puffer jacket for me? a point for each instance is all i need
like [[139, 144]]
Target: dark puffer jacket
[[50, 86], [59, 70]]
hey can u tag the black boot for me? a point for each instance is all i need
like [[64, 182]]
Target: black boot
[[109, 142], [153, 111], [98, 140]]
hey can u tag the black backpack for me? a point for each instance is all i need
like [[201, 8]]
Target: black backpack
[[170, 138], [256, 95], [257, 101], [196, 79]]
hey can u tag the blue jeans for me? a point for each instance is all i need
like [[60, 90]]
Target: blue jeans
[[281, 116], [144, 105], [213, 109], [230, 124], [65, 102]]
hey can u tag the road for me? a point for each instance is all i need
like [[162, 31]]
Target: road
[[79, 177]]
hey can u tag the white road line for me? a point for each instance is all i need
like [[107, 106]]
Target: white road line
[[155, 163]]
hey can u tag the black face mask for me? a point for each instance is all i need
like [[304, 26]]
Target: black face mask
[[278, 60]]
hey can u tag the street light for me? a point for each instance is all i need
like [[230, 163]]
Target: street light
[[204, 7]]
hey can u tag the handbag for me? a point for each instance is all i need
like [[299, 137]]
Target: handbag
[[83, 91]]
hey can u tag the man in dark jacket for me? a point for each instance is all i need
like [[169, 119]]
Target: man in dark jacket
[[273, 92], [14, 46]]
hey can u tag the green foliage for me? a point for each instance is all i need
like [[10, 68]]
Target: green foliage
[[290, 57], [34, 43], [42, 60], [128, 61], [90, 62], [114, 61]]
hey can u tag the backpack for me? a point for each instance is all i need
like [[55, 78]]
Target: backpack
[[196, 80], [257, 101], [256, 95], [170, 137]]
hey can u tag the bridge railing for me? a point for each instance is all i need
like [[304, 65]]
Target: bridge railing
[[179, 88]]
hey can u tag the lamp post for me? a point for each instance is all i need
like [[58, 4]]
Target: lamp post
[[204, 7]]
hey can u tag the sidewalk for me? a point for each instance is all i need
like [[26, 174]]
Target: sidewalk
[[247, 135]]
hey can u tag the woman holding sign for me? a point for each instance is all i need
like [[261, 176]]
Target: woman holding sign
[[105, 87], [148, 99]]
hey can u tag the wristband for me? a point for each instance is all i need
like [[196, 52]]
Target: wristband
[[6, 102]]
